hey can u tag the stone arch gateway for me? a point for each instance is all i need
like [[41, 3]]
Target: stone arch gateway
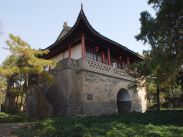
[[123, 101]]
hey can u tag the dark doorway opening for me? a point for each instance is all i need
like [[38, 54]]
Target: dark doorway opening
[[123, 101]]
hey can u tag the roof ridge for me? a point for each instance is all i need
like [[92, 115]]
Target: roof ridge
[[82, 16]]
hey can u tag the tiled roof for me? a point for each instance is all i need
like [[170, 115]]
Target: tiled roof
[[82, 18], [64, 31]]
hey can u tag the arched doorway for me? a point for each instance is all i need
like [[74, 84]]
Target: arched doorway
[[123, 101]]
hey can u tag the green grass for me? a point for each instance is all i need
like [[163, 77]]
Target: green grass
[[11, 118], [150, 124], [172, 108]]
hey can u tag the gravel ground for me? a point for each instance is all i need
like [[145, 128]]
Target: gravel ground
[[6, 129]]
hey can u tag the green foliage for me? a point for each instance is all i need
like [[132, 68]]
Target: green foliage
[[164, 34], [3, 86], [20, 65], [10, 118], [151, 124], [3, 83], [23, 58]]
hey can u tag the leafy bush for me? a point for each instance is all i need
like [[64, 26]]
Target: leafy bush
[[151, 124], [11, 118]]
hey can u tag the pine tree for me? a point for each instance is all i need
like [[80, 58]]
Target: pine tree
[[21, 64], [164, 34]]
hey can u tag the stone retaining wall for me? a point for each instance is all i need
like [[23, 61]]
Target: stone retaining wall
[[84, 87]]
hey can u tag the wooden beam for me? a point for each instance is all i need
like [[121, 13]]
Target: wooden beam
[[109, 56], [83, 46]]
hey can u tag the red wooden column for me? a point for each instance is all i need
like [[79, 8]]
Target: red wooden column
[[69, 51], [128, 61], [109, 56], [103, 57], [123, 64], [83, 46]]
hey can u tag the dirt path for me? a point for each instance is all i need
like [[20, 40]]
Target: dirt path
[[6, 129]]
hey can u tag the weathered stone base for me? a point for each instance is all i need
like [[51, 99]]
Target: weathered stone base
[[37, 106], [90, 88], [104, 90]]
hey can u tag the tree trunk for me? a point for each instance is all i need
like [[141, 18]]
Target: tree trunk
[[149, 102], [157, 98]]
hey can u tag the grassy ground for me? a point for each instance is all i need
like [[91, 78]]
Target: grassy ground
[[11, 118], [150, 124]]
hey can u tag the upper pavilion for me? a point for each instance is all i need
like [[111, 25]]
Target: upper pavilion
[[83, 41]]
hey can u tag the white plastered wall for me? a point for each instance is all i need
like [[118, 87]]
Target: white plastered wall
[[76, 51], [62, 55]]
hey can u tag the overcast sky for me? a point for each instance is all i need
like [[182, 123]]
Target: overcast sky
[[39, 22]]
